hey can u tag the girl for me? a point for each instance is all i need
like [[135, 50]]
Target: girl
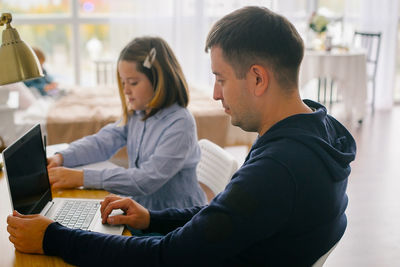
[[157, 129]]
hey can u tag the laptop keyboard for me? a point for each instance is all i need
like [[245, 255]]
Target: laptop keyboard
[[77, 214]]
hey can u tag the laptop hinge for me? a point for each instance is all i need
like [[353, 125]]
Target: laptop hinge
[[47, 208]]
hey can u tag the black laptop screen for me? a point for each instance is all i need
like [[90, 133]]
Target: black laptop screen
[[25, 163]]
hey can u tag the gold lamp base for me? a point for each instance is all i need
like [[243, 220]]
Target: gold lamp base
[[18, 62]]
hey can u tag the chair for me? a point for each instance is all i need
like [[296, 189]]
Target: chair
[[326, 83], [105, 72], [320, 262], [215, 168], [371, 43]]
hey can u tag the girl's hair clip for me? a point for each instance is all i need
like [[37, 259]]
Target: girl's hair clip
[[149, 60]]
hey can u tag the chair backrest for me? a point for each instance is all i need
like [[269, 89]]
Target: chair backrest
[[320, 262], [215, 168], [105, 72], [371, 42]]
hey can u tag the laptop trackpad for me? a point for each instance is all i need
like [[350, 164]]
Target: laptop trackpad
[[97, 225]]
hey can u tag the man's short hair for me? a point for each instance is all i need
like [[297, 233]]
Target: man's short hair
[[256, 35]]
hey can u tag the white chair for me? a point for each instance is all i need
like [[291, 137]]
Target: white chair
[[215, 168], [320, 262], [371, 42], [105, 72]]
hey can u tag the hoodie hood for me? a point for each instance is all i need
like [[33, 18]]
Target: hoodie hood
[[321, 133]]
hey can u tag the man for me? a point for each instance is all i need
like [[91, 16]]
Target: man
[[284, 206]]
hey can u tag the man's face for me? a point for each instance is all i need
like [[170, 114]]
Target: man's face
[[232, 92]]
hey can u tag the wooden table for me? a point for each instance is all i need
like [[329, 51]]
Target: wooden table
[[8, 255]]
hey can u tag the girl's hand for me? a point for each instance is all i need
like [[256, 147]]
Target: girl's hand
[[64, 178]]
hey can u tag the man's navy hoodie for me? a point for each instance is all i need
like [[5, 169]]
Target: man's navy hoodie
[[284, 207]]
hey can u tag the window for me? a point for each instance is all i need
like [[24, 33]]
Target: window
[[397, 87], [54, 41], [43, 24], [33, 8], [74, 34]]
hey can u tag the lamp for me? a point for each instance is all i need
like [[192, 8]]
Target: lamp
[[18, 62]]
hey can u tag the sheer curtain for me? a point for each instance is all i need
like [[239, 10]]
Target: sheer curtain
[[382, 16]]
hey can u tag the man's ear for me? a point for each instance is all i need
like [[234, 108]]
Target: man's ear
[[260, 79]]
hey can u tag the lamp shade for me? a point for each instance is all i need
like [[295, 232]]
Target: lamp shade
[[18, 62]]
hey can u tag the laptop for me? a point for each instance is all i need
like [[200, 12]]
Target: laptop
[[29, 188]]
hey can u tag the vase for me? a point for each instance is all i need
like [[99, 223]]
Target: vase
[[320, 41]]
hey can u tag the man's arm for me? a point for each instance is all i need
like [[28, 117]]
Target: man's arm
[[168, 220], [138, 217], [254, 203]]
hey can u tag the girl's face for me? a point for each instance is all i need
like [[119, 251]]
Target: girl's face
[[136, 86]]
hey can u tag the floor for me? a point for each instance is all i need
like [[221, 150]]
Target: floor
[[372, 237]]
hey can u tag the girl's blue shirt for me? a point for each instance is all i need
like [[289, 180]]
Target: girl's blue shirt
[[163, 154]]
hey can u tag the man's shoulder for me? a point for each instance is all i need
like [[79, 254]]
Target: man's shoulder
[[270, 156], [278, 148], [284, 153]]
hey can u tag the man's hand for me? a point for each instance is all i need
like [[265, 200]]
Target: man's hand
[[135, 215], [63, 178], [55, 161], [27, 231]]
